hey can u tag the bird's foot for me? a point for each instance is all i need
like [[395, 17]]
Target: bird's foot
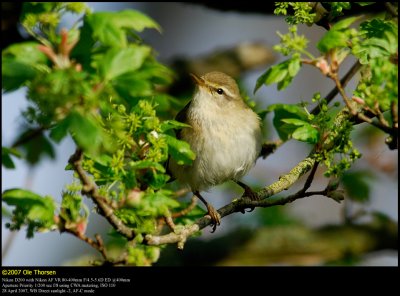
[[215, 217], [249, 193]]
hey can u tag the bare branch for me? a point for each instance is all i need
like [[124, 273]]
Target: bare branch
[[168, 220], [186, 210]]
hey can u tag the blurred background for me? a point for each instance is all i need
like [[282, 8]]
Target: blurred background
[[195, 37]]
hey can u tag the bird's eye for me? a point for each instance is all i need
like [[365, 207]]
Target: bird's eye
[[220, 91]]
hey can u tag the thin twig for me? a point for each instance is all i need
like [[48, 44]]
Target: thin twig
[[395, 115], [187, 210], [89, 188], [380, 114], [353, 110], [181, 237], [100, 245], [269, 148], [181, 192], [89, 241], [332, 94], [168, 220], [237, 205], [310, 178], [392, 9], [29, 136]]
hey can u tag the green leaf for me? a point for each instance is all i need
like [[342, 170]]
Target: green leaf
[[376, 28], [158, 200], [60, 130], [172, 124], [72, 207], [83, 50], [86, 132], [69, 167], [286, 112], [162, 103], [357, 185], [273, 74], [157, 181], [110, 27], [7, 161], [6, 158], [155, 72], [337, 36], [133, 19], [365, 3], [118, 61], [130, 86], [180, 150], [282, 74], [36, 145], [300, 130], [15, 74], [381, 39], [25, 52], [144, 164], [294, 66], [294, 121], [16, 197], [306, 133], [331, 40], [31, 209], [344, 24], [102, 159], [285, 82], [104, 29]]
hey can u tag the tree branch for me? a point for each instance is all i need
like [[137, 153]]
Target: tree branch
[[238, 205], [28, 136], [180, 235], [332, 94], [354, 111], [89, 189], [269, 148], [98, 244], [392, 9], [187, 210]]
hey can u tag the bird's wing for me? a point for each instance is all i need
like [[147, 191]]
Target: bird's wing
[[182, 116]]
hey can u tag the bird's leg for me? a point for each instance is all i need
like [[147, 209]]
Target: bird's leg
[[215, 216], [248, 192]]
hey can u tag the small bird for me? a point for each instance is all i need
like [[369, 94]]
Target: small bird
[[224, 133]]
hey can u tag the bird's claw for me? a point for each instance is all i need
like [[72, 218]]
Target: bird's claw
[[215, 217], [248, 192], [251, 209]]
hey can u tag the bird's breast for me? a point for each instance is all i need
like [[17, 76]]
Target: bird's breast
[[226, 146]]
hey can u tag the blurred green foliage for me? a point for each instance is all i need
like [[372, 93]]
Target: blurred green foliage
[[97, 83]]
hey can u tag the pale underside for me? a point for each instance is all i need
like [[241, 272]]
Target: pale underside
[[226, 140]]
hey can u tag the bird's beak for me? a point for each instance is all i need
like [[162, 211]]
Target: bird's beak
[[197, 80]]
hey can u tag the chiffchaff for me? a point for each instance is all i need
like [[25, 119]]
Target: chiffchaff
[[225, 134]]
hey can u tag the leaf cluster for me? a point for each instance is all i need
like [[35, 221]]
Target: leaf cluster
[[98, 83]]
